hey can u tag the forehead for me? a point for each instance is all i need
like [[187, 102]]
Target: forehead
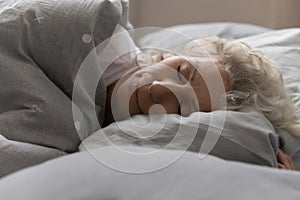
[[199, 63], [209, 71], [206, 69], [208, 80]]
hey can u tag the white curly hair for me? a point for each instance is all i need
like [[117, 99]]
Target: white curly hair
[[254, 80]]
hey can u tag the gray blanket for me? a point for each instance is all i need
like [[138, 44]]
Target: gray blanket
[[42, 45], [80, 176]]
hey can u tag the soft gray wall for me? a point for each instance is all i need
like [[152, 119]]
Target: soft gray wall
[[163, 13]]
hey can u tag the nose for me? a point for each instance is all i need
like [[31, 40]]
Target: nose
[[161, 91]]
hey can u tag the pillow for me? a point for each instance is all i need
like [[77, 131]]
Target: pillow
[[42, 45], [80, 176], [175, 37], [242, 136]]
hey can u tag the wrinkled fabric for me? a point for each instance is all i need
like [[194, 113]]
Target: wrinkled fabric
[[41, 50], [244, 135], [42, 46], [80, 176], [18, 155]]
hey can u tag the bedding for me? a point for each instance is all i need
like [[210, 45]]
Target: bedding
[[253, 139], [42, 45], [81, 176], [18, 155], [40, 37], [182, 34]]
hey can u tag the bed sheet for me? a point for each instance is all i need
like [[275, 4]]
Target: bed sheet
[[244, 135], [175, 37], [81, 176]]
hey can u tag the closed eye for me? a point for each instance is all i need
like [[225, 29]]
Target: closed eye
[[179, 75], [179, 109]]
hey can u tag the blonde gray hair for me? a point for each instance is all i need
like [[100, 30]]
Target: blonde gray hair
[[254, 80]]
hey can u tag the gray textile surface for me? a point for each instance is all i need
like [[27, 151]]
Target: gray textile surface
[[80, 177], [41, 50], [246, 136], [175, 37], [18, 155]]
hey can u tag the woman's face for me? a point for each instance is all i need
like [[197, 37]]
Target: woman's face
[[177, 85]]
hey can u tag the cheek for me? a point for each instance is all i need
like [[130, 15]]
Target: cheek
[[204, 100], [205, 104]]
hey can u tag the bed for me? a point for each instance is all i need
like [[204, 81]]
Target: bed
[[45, 153]]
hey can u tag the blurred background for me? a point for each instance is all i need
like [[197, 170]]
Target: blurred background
[[275, 14]]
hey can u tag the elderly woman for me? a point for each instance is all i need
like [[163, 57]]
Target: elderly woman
[[210, 74]]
